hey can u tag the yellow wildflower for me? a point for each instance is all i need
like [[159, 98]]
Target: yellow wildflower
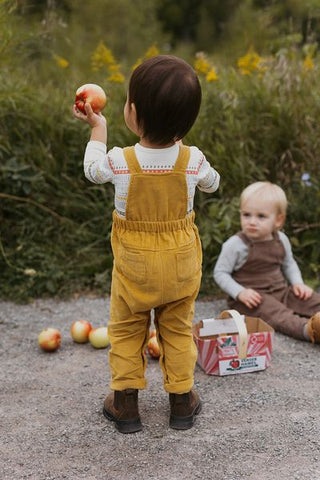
[[250, 63], [60, 61], [308, 63], [116, 77], [152, 51], [201, 64], [101, 57], [138, 62], [212, 75], [115, 67]]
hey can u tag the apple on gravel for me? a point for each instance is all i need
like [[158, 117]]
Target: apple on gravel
[[152, 333], [99, 338], [49, 339], [80, 330], [153, 347], [93, 94]]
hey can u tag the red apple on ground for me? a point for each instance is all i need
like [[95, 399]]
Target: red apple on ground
[[80, 330], [93, 94], [99, 338], [49, 339], [153, 347]]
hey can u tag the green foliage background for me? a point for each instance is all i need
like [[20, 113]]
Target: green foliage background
[[55, 225]]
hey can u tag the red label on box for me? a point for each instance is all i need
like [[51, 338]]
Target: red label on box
[[219, 356]]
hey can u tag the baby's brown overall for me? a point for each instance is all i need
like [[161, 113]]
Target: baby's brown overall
[[262, 272]]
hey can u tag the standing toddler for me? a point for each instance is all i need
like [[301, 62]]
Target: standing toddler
[[155, 242]]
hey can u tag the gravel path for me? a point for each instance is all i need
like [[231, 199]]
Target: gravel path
[[255, 426]]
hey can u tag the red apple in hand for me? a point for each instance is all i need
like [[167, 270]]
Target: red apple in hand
[[93, 94], [80, 330], [153, 347], [49, 339]]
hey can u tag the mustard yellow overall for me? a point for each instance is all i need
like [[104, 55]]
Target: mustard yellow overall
[[157, 266]]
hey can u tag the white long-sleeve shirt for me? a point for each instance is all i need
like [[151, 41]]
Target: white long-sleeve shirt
[[101, 166], [234, 254]]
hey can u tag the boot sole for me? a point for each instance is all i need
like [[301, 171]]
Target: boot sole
[[124, 426], [184, 423]]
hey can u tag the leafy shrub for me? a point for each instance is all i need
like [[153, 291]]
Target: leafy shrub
[[55, 226]]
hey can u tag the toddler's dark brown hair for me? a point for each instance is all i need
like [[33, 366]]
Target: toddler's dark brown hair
[[167, 95]]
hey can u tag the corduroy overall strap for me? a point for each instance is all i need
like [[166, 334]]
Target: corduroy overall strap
[[154, 196], [180, 165], [182, 160], [131, 159]]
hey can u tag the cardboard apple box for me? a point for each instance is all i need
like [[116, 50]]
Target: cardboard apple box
[[233, 343]]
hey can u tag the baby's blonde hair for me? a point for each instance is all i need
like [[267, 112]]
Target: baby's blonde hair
[[267, 192]]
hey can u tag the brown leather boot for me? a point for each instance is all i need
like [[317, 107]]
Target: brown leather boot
[[121, 407], [313, 328], [184, 407]]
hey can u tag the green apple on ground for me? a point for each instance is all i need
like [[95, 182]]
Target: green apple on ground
[[99, 338]]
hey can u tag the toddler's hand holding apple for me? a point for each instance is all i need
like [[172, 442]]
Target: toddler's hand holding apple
[[92, 94], [90, 100], [93, 119]]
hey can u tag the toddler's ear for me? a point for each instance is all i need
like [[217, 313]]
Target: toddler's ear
[[134, 117], [279, 220]]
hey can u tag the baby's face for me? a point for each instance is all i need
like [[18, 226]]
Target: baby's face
[[258, 220]]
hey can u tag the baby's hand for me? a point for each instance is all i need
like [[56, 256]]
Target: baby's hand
[[302, 291], [250, 297], [93, 119]]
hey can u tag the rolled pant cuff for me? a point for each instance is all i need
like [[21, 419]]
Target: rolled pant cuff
[[183, 387], [123, 385]]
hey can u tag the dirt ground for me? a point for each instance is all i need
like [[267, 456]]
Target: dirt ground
[[255, 426]]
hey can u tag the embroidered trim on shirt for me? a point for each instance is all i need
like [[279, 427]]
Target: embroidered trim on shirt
[[90, 173]]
